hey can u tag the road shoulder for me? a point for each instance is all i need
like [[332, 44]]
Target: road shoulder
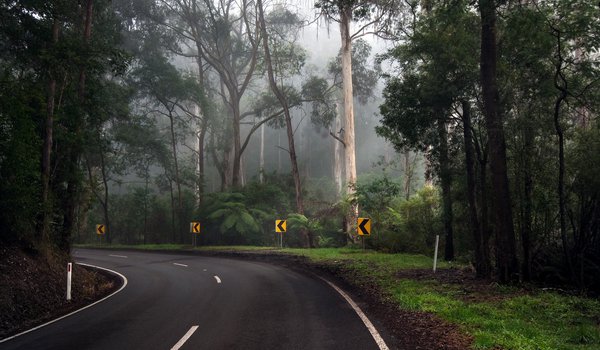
[[33, 289]]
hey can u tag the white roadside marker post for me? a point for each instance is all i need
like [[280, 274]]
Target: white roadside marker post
[[437, 241], [69, 272]]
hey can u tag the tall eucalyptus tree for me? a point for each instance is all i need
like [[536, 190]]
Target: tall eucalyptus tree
[[373, 18]]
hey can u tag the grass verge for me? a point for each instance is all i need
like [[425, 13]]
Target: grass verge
[[497, 316]]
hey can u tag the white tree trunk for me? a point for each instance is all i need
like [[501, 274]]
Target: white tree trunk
[[261, 167], [198, 149], [242, 171], [279, 152], [337, 153], [349, 150]]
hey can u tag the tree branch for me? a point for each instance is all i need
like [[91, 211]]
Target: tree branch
[[337, 138]]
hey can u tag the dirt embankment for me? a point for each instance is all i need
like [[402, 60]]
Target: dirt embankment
[[33, 289]]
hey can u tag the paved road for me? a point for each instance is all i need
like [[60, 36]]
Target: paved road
[[235, 304]]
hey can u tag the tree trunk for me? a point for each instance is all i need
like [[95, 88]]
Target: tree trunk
[[177, 179], [560, 84], [446, 182], [108, 231], [83, 211], [203, 110], [484, 211], [349, 149], [337, 156], [279, 167], [308, 239], [237, 155], [47, 148], [173, 230], [308, 152], [75, 148], [102, 199], [407, 174], [147, 181], [261, 166], [507, 266], [482, 262], [526, 229], [242, 171], [220, 165], [201, 156]]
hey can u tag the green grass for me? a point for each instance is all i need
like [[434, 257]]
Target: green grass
[[234, 248], [139, 246], [171, 247], [509, 318]]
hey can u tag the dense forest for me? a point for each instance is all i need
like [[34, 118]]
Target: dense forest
[[473, 120]]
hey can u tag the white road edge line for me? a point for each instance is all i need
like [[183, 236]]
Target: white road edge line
[[117, 256], [178, 264], [218, 279], [78, 310], [378, 339], [185, 338]]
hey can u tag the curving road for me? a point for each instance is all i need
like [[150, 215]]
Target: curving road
[[204, 303]]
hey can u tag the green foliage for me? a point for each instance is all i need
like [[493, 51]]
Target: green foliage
[[298, 223], [31, 62], [438, 69], [420, 221], [19, 166], [543, 50], [377, 195], [235, 218], [319, 92], [399, 225], [364, 75]]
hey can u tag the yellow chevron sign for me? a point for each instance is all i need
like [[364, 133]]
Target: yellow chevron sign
[[280, 225], [100, 229], [364, 226], [195, 227]]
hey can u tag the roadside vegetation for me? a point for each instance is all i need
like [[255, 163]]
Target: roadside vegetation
[[523, 317]]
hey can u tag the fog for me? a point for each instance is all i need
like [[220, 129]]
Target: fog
[[314, 146], [205, 99]]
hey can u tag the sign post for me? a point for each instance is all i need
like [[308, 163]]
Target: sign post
[[69, 268], [364, 229], [194, 228], [437, 241], [280, 227], [100, 231]]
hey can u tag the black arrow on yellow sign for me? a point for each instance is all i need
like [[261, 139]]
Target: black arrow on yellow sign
[[364, 226], [280, 225], [100, 229], [195, 227]]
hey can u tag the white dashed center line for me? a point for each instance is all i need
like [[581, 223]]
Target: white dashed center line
[[185, 338], [178, 264], [218, 279], [117, 256]]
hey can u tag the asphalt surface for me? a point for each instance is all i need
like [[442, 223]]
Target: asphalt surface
[[235, 304]]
